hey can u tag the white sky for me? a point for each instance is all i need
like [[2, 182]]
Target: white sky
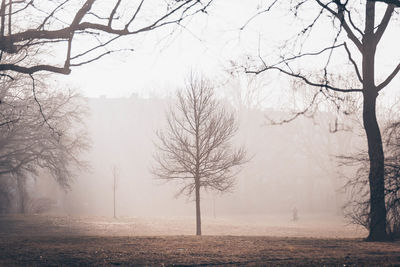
[[160, 64]]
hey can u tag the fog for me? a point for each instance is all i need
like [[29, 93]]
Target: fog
[[291, 166]]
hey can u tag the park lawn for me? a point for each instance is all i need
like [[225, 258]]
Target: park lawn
[[35, 241]]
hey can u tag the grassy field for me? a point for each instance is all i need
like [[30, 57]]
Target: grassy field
[[96, 241]]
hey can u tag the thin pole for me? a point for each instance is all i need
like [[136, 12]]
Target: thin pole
[[115, 178], [214, 207]]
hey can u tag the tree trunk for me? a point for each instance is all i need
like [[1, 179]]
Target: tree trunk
[[377, 224], [377, 215], [21, 194], [198, 216]]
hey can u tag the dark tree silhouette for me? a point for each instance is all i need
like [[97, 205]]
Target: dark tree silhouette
[[196, 147], [351, 37], [56, 26], [35, 137], [357, 208]]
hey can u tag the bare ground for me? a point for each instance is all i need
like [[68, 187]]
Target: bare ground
[[96, 241]]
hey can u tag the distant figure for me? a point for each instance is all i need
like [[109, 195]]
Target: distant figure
[[295, 215]]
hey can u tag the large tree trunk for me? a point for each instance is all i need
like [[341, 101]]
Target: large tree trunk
[[198, 216], [377, 225]]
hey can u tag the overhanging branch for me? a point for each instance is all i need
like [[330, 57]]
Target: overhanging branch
[[14, 42], [307, 81], [33, 69]]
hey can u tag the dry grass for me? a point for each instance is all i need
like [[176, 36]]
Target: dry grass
[[66, 241]]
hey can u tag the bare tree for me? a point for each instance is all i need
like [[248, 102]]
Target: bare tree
[[28, 144], [357, 208], [355, 40], [59, 25], [41, 131], [196, 147]]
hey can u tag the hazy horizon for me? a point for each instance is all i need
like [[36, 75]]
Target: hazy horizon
[[289, 167]]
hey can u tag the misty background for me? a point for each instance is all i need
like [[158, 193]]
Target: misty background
[[293, 165]]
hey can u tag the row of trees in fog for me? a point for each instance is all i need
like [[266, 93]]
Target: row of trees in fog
[[354, 39]]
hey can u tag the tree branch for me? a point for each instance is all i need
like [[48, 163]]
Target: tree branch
[[110, 20], [393, 2], [354, 63], [301, 77], [33, 69], [14, 42], [297, 114], [339, 15], [258, 13], [384, 23], [389, 78]]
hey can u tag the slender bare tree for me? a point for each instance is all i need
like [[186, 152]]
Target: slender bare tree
[[355, 37], [196, 147]]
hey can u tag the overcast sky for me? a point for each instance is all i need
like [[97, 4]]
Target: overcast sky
[[161, 60]]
